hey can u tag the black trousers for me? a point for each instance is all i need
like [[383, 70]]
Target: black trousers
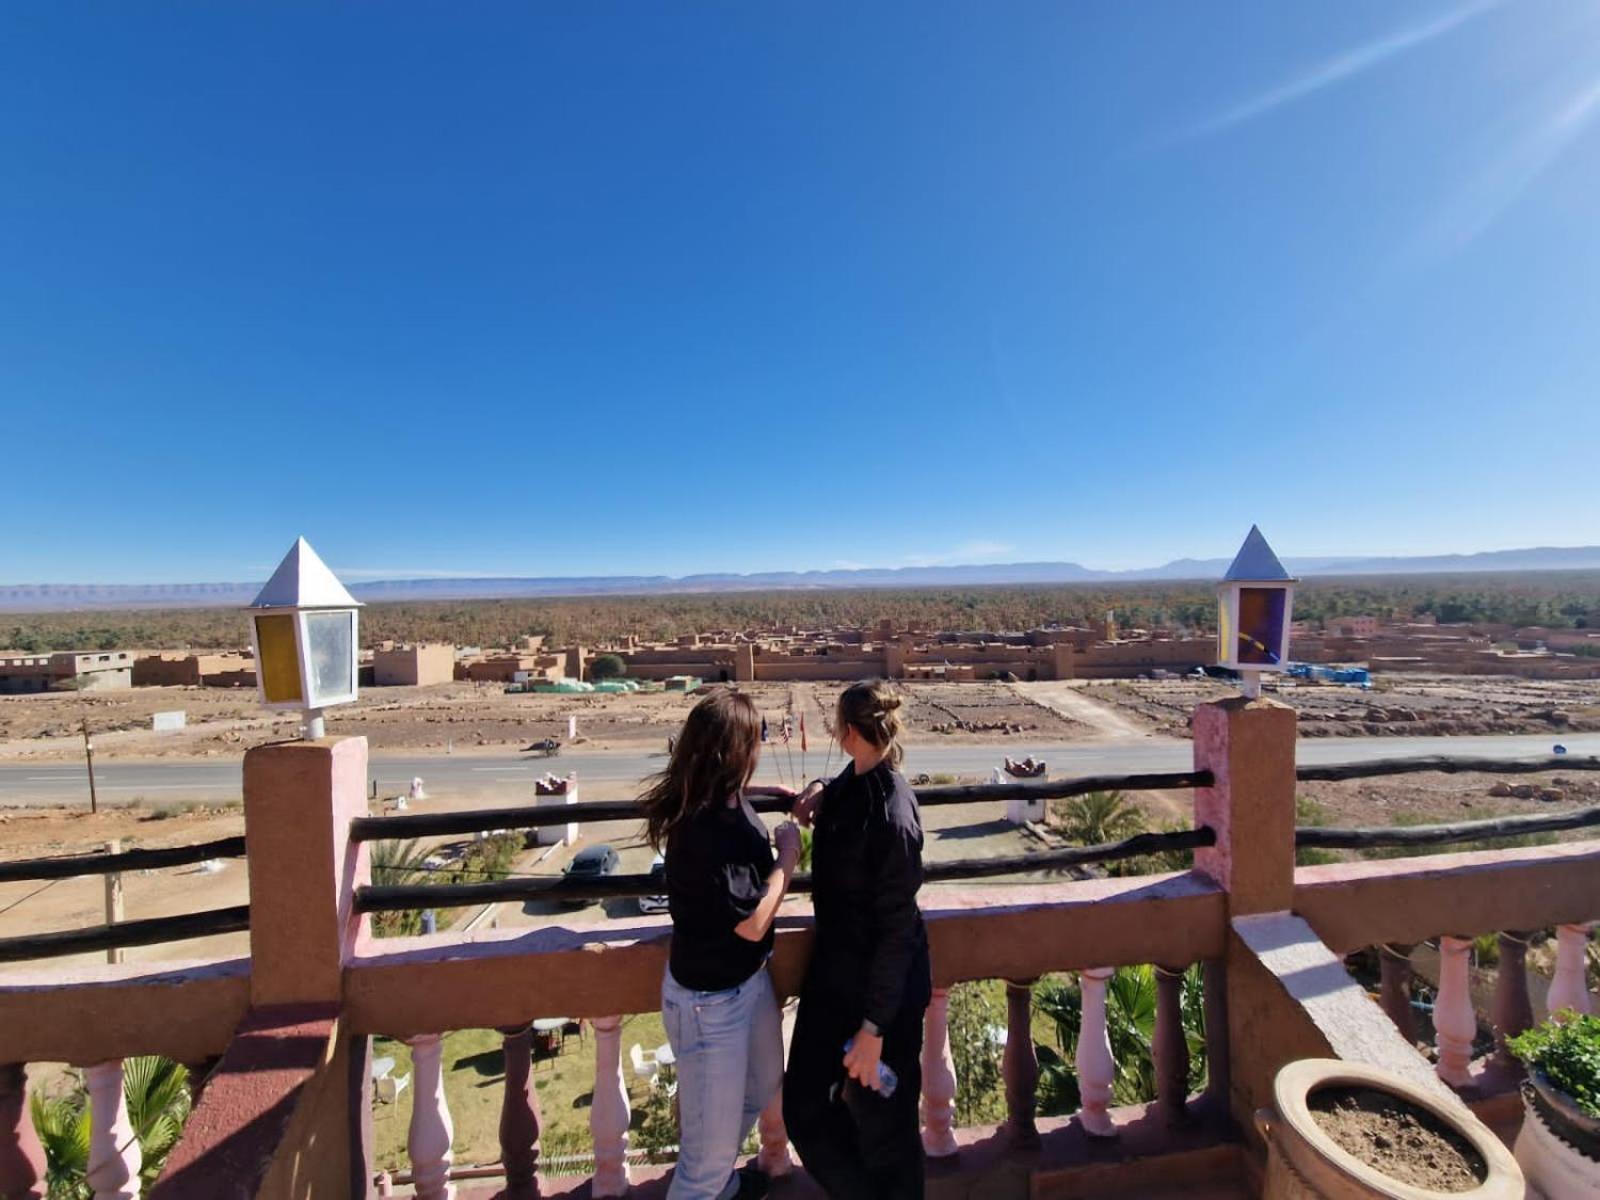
[[855, 1143]]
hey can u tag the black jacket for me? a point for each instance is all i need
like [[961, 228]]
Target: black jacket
[[871, 947]]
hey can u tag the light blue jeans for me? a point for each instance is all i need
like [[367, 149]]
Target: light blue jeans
[[729, 1051]]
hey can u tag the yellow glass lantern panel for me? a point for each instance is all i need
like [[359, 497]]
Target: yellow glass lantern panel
[[1261, 613], [1224, 631], [279, 665]]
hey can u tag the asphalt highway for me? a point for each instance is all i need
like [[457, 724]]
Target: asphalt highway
[[505, 778]]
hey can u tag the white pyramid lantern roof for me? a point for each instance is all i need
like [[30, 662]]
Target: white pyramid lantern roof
[[1256, 562], [303, 580]]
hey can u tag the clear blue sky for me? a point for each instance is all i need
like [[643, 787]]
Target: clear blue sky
[[666, 287]]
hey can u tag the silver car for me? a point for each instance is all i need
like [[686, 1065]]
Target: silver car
[[658, 872]]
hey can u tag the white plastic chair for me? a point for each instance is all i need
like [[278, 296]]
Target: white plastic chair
[[644, 1062], [388, 1089]]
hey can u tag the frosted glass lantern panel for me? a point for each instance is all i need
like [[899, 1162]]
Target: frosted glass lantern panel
[[1261, 613], [330, 647]]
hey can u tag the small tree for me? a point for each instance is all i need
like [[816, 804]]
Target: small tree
[[158, 1105], [1097, 818], [607, 666]]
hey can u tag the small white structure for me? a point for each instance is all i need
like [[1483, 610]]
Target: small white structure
[[416, 792], [553, 790], [1255, 603], [1019, 812], [304, 632], [168, 722]]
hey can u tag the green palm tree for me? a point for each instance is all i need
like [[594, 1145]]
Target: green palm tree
[[395, 862], [157, 1094], [1098, 817], [1130, 1028]]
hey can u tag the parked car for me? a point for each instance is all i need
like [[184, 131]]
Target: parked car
[[658, 873], [589, 864]]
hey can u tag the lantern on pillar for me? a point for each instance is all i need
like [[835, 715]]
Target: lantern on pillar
[[1254, 604], [303, 625]]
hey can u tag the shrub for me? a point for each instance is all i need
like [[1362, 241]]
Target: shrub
[[1569, 1055], [607, 666]]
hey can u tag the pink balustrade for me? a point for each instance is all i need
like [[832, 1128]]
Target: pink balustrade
[[306, 1003]]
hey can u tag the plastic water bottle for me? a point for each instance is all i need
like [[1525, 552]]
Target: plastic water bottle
[[887, 1079]]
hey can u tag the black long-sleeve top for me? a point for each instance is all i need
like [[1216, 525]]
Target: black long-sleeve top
[[866, 867]]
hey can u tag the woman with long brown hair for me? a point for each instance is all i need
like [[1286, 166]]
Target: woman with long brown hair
[[724, 885], [854, 1078]]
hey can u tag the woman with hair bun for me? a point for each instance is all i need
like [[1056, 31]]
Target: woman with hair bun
[[852, 1112]]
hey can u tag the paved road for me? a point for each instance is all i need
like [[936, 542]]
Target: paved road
[[505, 778]]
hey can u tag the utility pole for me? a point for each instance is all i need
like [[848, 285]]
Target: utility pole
[[88, 754]]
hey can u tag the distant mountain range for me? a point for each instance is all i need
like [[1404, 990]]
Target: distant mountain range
[[41, 597]]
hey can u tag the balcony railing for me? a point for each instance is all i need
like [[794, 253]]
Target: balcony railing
[[290, 1027]]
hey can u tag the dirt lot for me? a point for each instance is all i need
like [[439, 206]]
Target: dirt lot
[[462, 716], [1402, 706]]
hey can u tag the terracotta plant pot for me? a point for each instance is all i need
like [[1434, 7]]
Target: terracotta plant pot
[[1559, 1146], [1304, 1163]]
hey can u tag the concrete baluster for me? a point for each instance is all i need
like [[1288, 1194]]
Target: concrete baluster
[[1513, 1010], [519, 1115], [431, 1134], [774, 1159], [1453, 1019], [938, 1079], [1096, 1068], [609, 1114], [1394, 984], [1570, 986], [115, 1156], [1170, 1047], [21, 1156], [1019, 1067]]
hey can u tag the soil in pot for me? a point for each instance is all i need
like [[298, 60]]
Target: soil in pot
[[1396, 1137]]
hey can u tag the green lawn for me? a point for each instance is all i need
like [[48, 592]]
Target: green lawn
[[475, 1084]]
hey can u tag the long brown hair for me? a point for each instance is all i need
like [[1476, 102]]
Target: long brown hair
[[714, 757], [871, 709]]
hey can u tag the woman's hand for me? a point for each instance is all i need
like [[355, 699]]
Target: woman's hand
[[786, 837], [805, 804], [861, 1062]]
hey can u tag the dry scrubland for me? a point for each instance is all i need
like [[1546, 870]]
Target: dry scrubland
[[1397, 706], [468, 717]]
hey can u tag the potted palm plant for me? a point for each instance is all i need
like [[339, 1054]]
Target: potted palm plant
[[1559, 1145]]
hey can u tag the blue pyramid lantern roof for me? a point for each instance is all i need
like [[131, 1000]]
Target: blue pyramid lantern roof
[[1256, 563]]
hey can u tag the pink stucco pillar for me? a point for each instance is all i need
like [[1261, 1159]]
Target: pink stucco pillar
[[1248, 746], [299, 800]]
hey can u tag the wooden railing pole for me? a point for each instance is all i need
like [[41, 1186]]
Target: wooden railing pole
[[22, 1165], [1454, 1022], [1019, 1066], [1394, 988], [1096, 1068], [1170, 1047], [608, 1113], [1569, 989], [115, 1156], [1513, 1010], [431, 1134], [519, 1115], [938, 1079]]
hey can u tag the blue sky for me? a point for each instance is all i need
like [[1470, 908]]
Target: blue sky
[[515, 288]]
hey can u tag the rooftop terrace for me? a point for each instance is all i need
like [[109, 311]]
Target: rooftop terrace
[[283, 1037]]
